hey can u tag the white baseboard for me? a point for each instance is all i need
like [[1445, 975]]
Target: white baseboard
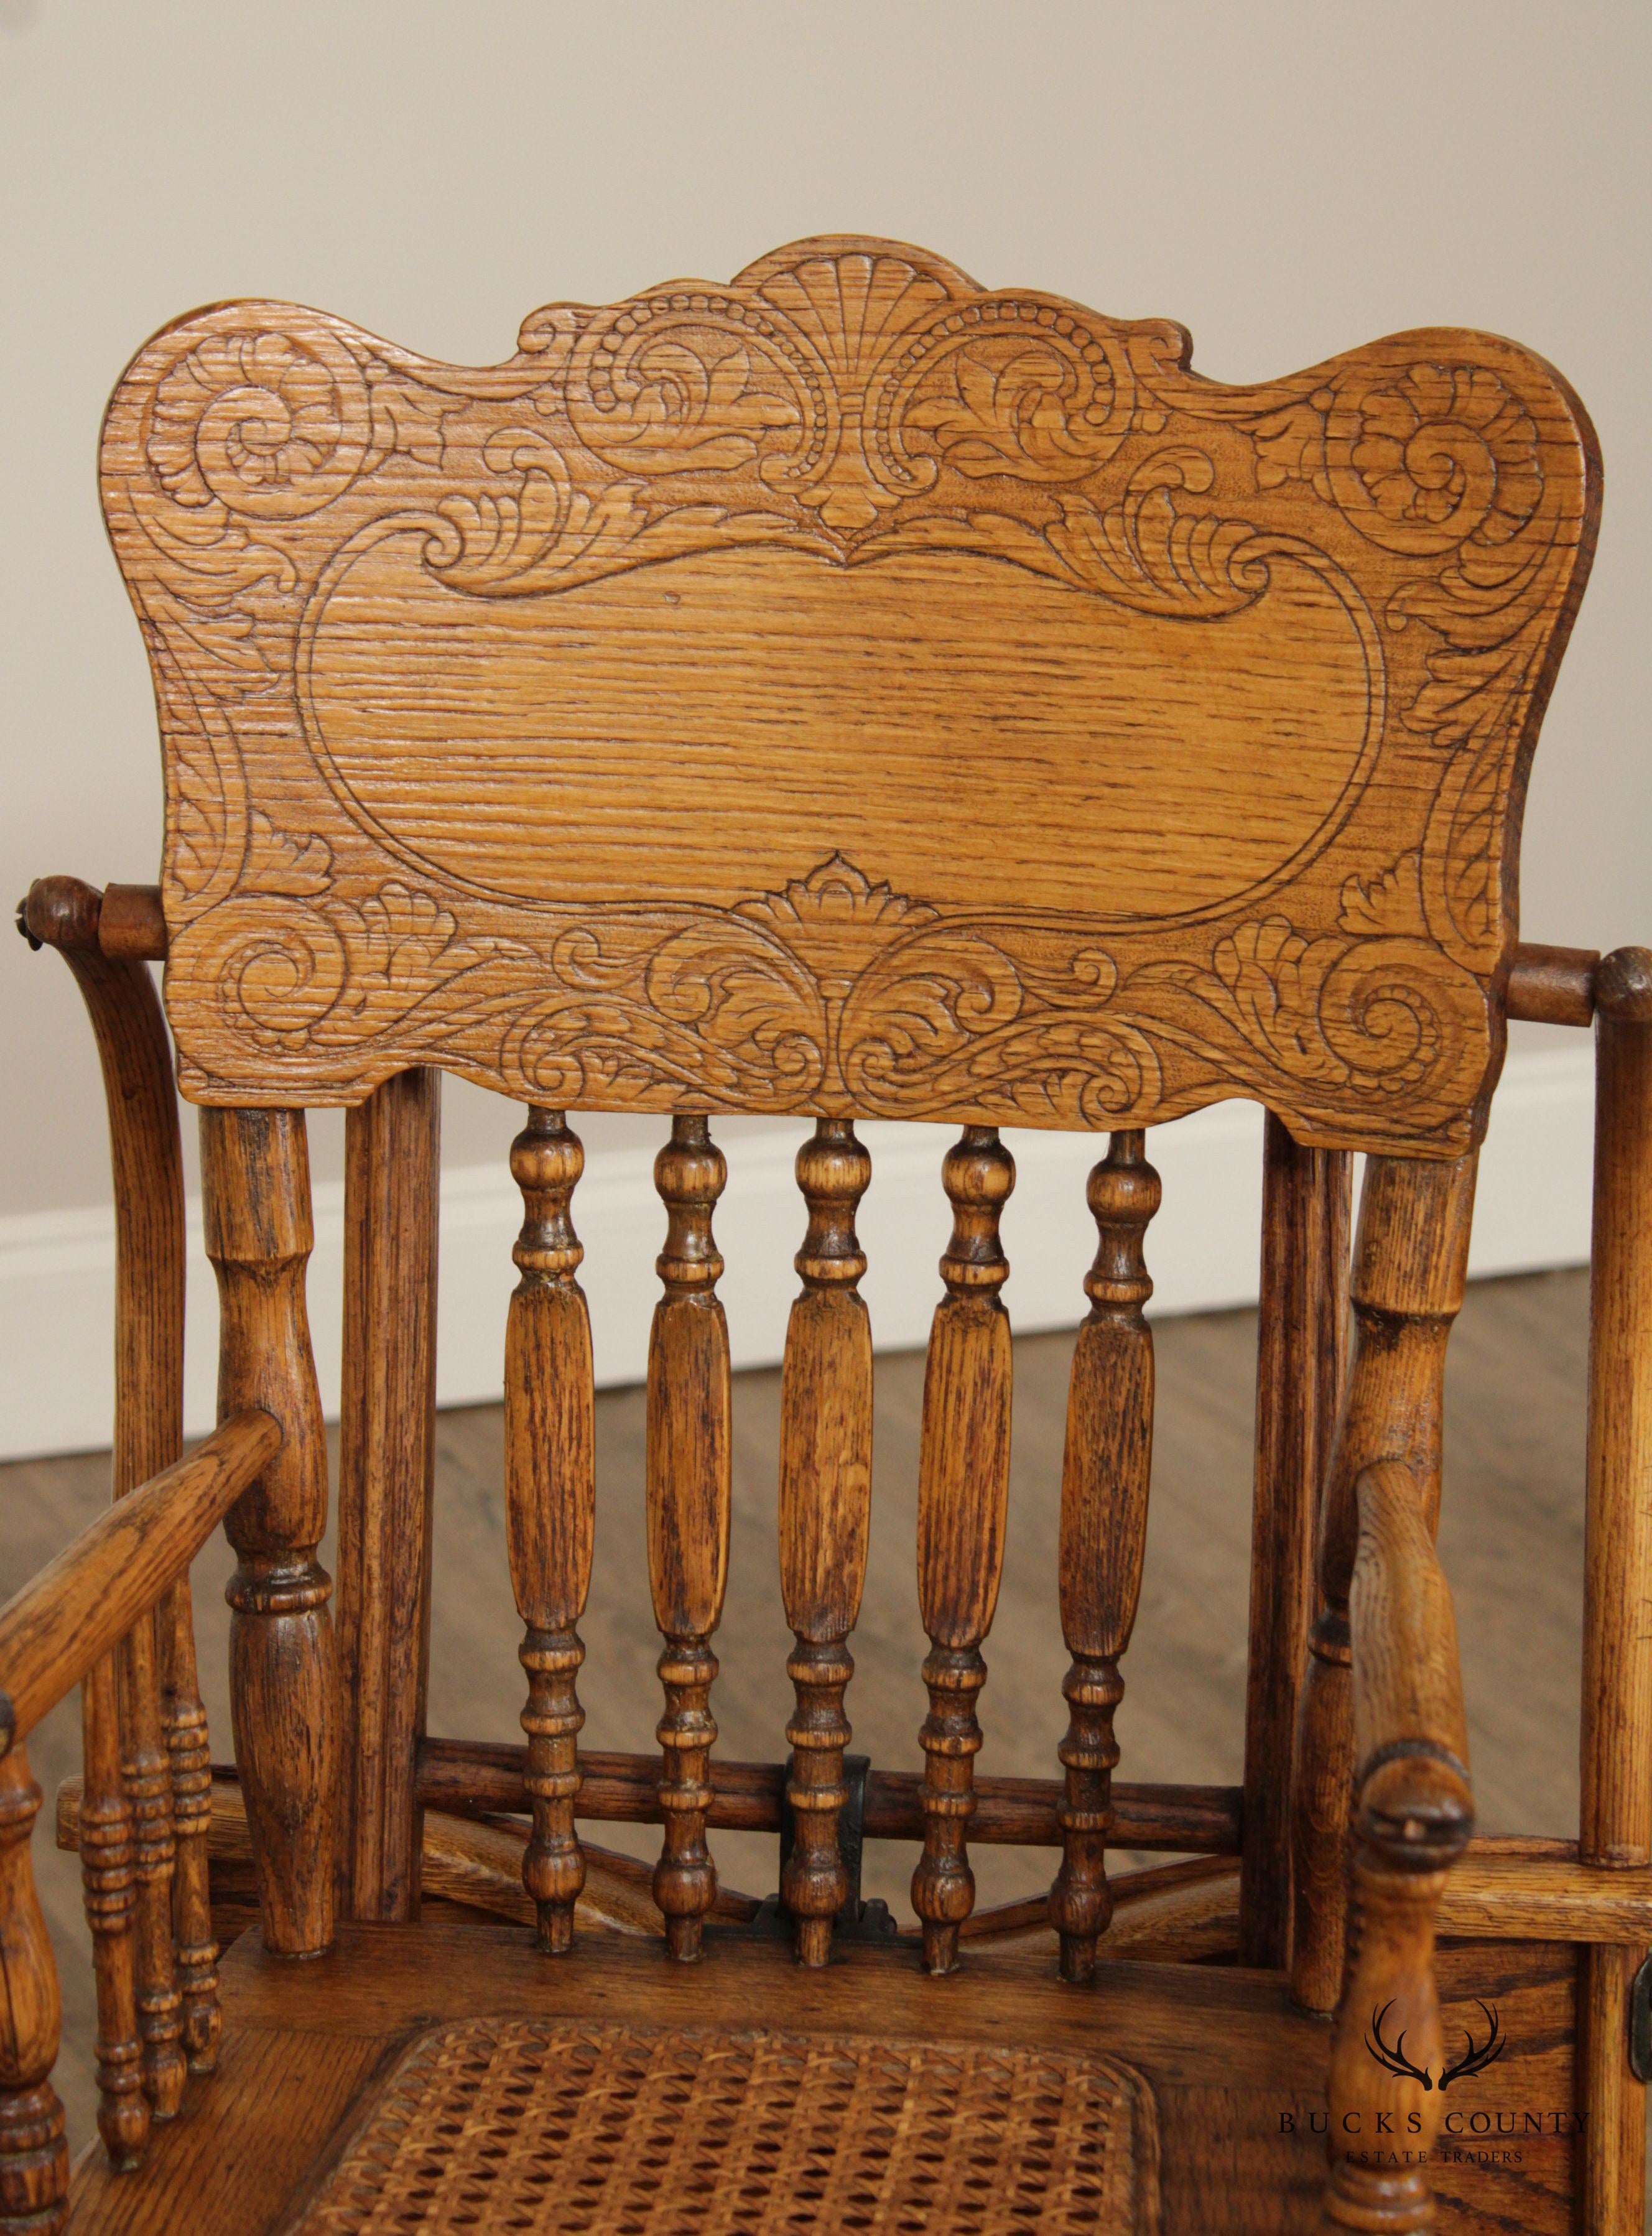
[[56, 1268]]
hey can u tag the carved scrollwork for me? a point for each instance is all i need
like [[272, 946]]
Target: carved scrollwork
[[858, 402]]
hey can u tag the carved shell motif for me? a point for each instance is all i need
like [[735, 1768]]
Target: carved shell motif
[[857, 401]]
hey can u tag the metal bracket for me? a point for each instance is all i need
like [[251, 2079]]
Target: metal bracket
[[1641, 2024], [857, 1919]]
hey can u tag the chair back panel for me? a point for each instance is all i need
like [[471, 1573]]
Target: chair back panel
[[847, 691]]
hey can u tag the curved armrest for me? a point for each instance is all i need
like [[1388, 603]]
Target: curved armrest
[[1414, 1803], [69, 1616]]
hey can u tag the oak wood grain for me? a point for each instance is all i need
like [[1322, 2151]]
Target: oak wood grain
[[706, 679], [83, 1602], [284, 1677], [386, 1475], [1410, 1262], [550, 1493], [1301, 1348], [108, 1875], [1221, 2048], [688, 1464], [824, 1513], [34, 2156], [963, 1496], [1614, 1818], [1106, 1463]]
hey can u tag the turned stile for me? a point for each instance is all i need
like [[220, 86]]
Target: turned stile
[[1410, 1261], [550, 1492], [1413, 1814], [824, 1516], [1301, 1354], [283, 1672], [1615, 1816], [34, 2156], [109, 1878], [964, 1482], [1105, 1472], [688, 1465]]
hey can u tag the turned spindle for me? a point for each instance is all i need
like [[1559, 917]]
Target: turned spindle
[[148, 1775], [550, 1491], [688, 1472], [283, 1673], [963, 1491], [826, 1509], [108, 1879], [1103, 1533], [189, 1754], [34, 2156], [1410, 1261]]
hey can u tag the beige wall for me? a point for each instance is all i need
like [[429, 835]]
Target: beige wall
[[1286, 179]]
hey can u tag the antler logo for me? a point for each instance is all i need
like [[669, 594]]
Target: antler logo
[[1474, 2059]]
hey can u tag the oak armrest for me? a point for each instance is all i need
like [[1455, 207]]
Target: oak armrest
[[1413, 1800], [66, 1618]]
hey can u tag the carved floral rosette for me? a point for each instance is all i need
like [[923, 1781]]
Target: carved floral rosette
[[850, 400]]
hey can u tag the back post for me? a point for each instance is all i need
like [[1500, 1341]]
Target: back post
[[1615, 1824], [1410, 1262], [386, 1473], [1301, 1354], [255, 1175]]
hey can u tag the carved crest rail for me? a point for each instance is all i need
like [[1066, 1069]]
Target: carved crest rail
[[619, 726]]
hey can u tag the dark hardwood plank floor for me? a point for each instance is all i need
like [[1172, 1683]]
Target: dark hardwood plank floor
[[1511, 1536]]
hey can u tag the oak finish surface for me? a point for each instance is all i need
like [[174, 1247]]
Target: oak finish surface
[[386, 1464], [1221, 2048], [506, 709]]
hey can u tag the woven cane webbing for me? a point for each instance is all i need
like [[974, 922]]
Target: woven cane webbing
[[628, 2131]]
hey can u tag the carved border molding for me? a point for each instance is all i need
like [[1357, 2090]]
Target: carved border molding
[[853, 399]]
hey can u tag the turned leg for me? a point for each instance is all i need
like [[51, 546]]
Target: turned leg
[[1103, 1533], [964, 1483], [689, 1458], [1409, 1260], [109, 1880], [1412, 1818], [550, 1490], [34, 2157], [283, 1674], [826, 1509], [1615, 1816]]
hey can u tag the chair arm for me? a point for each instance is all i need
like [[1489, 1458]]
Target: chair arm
[[69, 1616], [1413, 1802]]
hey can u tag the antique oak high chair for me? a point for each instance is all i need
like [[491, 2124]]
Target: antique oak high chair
[[843, 693]]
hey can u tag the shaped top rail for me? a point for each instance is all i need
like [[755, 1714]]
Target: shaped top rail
[[848, 689]]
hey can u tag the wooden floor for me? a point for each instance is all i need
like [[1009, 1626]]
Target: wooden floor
[[1511, 1538]]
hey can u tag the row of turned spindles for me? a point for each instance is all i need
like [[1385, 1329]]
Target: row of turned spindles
[[824, 1507], [146, 1812]]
